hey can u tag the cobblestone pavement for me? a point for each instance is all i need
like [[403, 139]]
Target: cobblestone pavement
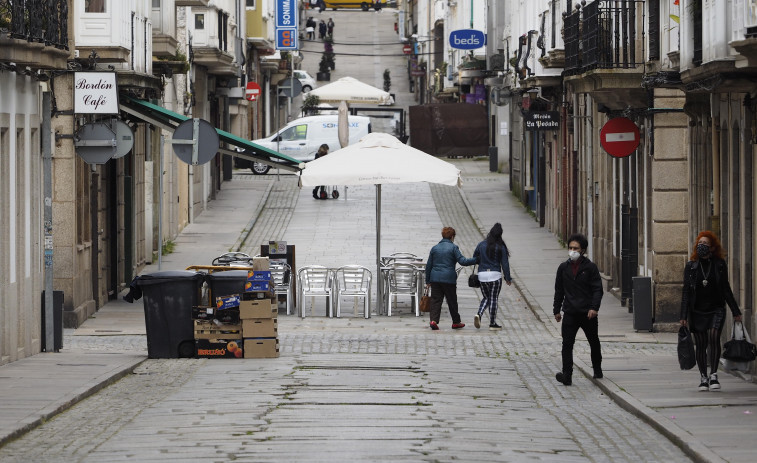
[[350, 389]]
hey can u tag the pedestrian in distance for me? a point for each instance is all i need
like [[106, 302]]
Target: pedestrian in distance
[[706, 291], [578, 293], [330, 27], [319, 192], [441, 277], [493, 263], [310, 28], [322, 29]]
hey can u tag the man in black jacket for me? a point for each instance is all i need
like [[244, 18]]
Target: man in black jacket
[[578, 292]]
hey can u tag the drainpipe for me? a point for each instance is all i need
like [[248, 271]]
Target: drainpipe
[[715, 114]]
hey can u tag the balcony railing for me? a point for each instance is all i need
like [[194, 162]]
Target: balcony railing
[[603, 35], [43, 21]]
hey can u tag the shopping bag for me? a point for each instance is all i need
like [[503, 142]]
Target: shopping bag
[[425, 303], [686, 358], [740, 347]]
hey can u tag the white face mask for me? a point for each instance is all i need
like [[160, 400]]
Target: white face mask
[[574, 255]]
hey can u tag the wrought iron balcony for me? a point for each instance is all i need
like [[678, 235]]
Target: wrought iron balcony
[[603, 35], [41, 21]]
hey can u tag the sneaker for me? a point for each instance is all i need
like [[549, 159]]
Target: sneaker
[[494, 327], [457, 326], [434, 326], [563, 378], [714, 383], [704, 385], [477, 321]]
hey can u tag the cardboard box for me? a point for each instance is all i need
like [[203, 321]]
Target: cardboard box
[[203, 313], [252, 295], [261, 348], [258, 308], [260, 327], [227, 302], [210, 330], [219, 348], [261, 263], [258, 275], [257, 286]]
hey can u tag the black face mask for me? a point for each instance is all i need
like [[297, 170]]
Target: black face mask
[[703, 250]]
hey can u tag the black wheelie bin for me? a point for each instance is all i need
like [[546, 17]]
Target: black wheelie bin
[[169, 298]]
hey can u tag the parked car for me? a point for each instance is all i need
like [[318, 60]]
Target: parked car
[[301, 138], [307, 81]]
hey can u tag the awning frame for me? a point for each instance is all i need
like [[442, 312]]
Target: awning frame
[[169, 120]]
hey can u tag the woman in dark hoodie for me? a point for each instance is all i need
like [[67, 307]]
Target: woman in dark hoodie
[[493, 264], [706, 291]]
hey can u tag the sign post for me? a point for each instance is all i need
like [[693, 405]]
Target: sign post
[[619, 137]]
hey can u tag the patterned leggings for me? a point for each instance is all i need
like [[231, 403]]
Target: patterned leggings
[[703, 340], [490, 293]]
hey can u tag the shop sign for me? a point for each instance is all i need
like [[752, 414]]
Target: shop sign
[[95, 93], [467, 39], [542, 120]]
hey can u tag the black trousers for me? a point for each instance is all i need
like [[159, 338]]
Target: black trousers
[[570, 325], [440, 291]]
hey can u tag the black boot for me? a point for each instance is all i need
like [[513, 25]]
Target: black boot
[[564, 378], [598, 372]]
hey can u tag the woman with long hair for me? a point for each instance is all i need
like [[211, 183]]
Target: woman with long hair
[[494, 263], [706, 291]]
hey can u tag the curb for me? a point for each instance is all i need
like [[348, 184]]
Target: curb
[[682, 439], [77, 396]]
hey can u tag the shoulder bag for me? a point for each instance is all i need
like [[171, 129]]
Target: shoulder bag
[[425, 304], [739, 349], [686, 356], [473, 279]]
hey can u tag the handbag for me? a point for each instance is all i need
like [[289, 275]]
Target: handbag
[[425, 304], [473, 280], [686, 357], [739, 349]]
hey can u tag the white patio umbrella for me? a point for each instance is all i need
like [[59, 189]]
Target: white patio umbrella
[[373, 161], [353, 91]]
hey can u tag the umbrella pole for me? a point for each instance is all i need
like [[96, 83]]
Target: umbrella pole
[[379, 279]]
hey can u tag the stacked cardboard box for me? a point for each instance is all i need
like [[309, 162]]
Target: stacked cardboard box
[[259, 313], [218, 330]]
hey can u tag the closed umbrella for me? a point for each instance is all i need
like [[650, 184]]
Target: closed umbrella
[[373, 161]]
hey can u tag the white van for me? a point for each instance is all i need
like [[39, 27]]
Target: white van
[[301, 138]]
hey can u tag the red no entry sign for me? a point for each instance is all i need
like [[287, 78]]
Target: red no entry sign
[[252, 91], [619, 137]]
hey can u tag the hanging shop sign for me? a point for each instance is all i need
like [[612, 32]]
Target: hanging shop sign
[[467, 39], [287, 22], [541, 120], [95, 93]]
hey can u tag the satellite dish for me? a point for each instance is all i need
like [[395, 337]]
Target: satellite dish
[[95, 143], [207, 141], [290, 87], [124, 138]]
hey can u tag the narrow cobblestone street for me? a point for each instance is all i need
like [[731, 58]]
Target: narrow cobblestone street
[[355, 389]]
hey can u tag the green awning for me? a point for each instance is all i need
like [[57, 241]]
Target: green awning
[[169, 120]]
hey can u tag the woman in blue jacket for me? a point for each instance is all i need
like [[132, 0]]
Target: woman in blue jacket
[[442, 277], [493, 263]]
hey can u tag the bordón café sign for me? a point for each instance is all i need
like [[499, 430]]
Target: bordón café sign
[[95, 93]]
